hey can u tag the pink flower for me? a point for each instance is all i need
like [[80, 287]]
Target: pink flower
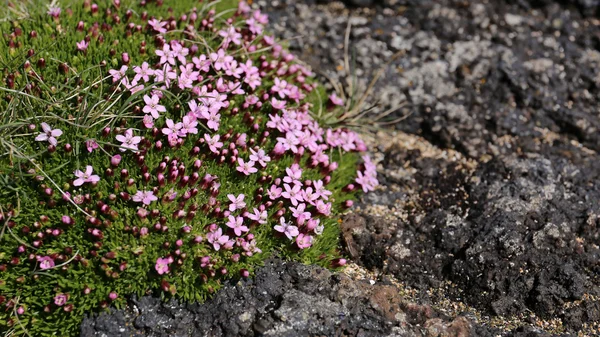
[[336, 100], [148, 121], [188, 125], [54, 12], [202, 63], [214, 119], [280, 87], [184, 81], [146, 197], [253, 80], [292, 193], [129, 141], [46, 262], [179, 52], [166, 55], [61, 299], [294, 173], [82, 45], [219, 59], [323, 208], [49, 135], [85, 177], [286, 228], [158, 26], [277, 104], [172, 129], [230, 35], [162, 266], [274, 192], [309, 196], [320, 189], [236, 202], [254, 26], [119, 74], [166, 74], [91, 145], [217, 239], [113, 296], [213, 143], [304, 241], [246, 168], [258, 216], [144, 72], [152, 107], [299, 212], [236, 223]]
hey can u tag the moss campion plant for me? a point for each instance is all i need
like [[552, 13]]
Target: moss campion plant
[[160, 147]]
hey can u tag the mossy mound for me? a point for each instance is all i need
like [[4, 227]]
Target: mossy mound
[[157, 146]]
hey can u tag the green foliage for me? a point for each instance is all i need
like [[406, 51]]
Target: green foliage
[[48, 80]]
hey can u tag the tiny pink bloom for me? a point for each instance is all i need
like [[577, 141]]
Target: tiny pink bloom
[[230, 35], [162, 266], [85, 177], [246, 168], [287, 228], [292, 193], [144, 72], [46, 262], [49, 134], [148, 121], [320, 189], [258, 216], [61, 299], [323, 208], [188, 126], [82, 45], [213, 142], [237, 224], [260, 156], [274, 192], [145, 197], [294, 173], [113, 296], [115, 160], [300, 211], [157, 25], [166, 54], [336, 100], [280, 87], [172, 128], [217, 239], [236, 202], [152, 107], [219, 59], [129, 141], [214, 119], [202, 63], [91, 145], [54, 11], [119, 74], [277, 104], [304, 241]]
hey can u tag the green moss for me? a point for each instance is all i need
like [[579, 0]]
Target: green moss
[[82, 102]]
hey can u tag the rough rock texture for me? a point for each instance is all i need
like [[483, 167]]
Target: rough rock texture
[[496, 191], [284, 300], [489, 212]]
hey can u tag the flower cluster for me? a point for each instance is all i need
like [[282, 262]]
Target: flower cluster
[[213, 163]]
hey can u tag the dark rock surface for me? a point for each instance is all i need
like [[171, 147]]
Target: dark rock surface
[[489, 213], [506, 94], [284, 300]]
